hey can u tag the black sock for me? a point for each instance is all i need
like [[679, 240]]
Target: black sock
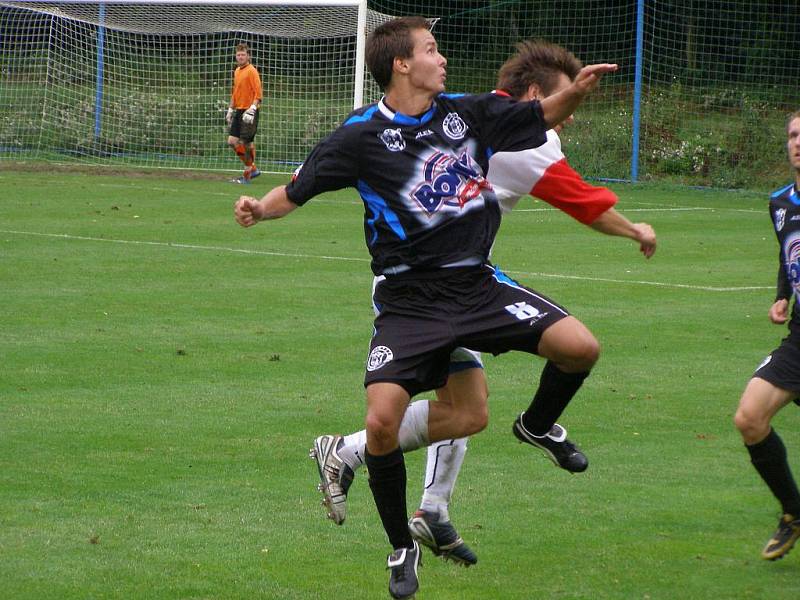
[[556, 389], [769, 458], [387, 480]]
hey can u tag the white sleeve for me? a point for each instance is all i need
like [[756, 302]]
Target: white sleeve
[[514, 174]]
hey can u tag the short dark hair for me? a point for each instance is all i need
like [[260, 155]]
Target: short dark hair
[[536, 62], [389, 41]]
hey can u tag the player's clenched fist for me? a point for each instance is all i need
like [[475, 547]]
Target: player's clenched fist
[[248, 211], [646, 237]]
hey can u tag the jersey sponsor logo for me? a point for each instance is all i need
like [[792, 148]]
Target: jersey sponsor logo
[[780, 218], [379, 356], [423, 134], [454, 126], [393, 139], [449, 181]]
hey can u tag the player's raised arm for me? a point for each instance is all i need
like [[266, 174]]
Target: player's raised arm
[[559, 107], [276, 204]]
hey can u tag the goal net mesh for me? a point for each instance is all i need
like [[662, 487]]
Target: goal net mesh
[[149, 85]]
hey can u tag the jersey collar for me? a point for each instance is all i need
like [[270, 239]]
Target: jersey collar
[[401, 119]]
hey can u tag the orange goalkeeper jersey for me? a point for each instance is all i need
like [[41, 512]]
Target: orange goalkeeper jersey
[[246, 86]]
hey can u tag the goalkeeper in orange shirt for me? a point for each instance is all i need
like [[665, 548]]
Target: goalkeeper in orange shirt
[[242, 114]]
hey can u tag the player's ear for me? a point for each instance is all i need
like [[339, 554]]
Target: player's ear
[[534, 92], [400, 65]]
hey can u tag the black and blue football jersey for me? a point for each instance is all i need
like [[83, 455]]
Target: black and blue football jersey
[[427, 203], [784, 208]]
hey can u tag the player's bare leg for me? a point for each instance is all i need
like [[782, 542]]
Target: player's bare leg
[[466, 392], [386, 405], [461, 404], [759, 403]]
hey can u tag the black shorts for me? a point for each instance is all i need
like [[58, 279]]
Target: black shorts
[[244, 131], [782, 367], [425, 316]]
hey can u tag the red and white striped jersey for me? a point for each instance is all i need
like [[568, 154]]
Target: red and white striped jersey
[[543, 172]]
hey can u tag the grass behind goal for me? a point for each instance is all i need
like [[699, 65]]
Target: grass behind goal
[[165, 371]]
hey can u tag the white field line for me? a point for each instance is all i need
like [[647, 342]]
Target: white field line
[[66, 236], [84, 238], [649, 207], [706, 288]]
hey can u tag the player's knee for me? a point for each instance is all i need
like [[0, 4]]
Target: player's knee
[[570, 345], [472, 421], [752, 426], [479, 419], [590, 352], [382, 429], [583, 354]]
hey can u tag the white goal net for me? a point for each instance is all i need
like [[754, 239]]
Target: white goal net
[[148, 83]]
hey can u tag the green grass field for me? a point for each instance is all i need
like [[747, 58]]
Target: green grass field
[[163, 373]]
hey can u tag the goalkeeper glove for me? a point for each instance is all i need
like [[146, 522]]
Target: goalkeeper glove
[[229, 116], [250, 114]]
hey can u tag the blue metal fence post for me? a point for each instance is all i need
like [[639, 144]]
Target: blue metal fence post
[[637, 90], [98, 97]]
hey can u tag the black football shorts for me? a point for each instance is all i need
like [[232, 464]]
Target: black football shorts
[[244, 131], [782, 367], [425, 316]]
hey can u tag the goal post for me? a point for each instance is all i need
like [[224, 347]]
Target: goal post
[[147, 83]]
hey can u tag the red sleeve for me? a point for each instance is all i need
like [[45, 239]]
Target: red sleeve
[[563, 188]]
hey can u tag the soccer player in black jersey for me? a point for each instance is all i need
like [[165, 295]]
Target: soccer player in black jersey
[[536, 70], [418, 159], [776, 382]]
